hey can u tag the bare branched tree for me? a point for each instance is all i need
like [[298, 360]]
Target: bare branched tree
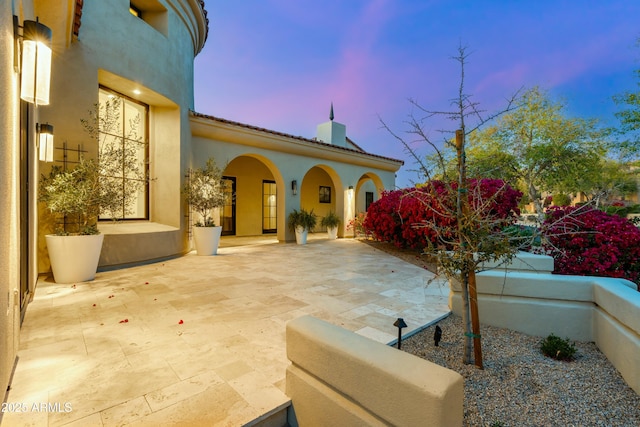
[[478, 234]]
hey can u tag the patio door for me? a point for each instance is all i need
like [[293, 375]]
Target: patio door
[[269, 207], [25, 196], [228, 216]]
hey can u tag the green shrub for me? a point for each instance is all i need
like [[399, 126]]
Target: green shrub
[[558, 348], [561, 199]]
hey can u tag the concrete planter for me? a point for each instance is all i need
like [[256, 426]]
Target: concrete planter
[[301, 235], [74, 258], [332, 232], [207, 239]]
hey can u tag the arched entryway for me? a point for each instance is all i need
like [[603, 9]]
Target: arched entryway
[[255, 205], [368, 190], [322, 190]]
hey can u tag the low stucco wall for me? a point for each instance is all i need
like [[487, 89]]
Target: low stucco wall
[[337, 377], [127, 244], [583, 308]]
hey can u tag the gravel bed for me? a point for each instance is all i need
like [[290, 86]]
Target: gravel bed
[[519, 386]]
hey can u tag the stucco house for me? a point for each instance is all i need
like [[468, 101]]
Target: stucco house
[[142, 52]]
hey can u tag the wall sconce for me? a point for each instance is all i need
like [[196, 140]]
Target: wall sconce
[[294, 187], [45, 139], [36, 60], [351, 187]]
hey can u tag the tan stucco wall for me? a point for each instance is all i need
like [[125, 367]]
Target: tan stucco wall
[[288, 160], [535, 302], [337, 377], [122, 52], [9, 212]]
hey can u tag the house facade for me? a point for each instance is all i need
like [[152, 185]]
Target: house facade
[[141, 53]]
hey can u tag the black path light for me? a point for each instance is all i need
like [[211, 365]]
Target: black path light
[[400, 324], [437, 336]]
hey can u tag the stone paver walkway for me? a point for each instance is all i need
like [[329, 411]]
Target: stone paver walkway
[[201, 340]]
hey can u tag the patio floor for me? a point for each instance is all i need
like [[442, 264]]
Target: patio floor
[[201, 340]]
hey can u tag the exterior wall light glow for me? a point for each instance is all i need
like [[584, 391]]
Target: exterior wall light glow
[[45, 139], [36, 61]]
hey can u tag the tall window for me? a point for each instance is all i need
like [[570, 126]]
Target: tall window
[[123, 153], [269, 207], [368, 199]]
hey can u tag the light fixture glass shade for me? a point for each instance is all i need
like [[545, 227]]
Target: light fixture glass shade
[[46, 143], [36, 63]]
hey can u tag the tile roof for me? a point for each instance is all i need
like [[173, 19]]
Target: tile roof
[[299, 138]]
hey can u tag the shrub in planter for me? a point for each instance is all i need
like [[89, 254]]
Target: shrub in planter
[[305, 219], [589, 242], [330, 220]]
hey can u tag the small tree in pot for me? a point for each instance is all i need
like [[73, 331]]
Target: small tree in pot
[[204, 192], [76, 197]]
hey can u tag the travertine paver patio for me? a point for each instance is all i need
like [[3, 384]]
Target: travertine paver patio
[[201, 340]]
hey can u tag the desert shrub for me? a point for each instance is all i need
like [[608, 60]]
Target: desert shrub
[[356, 224], [412, 217], [589, 242], [621, 210], [558, 348], [561, 199], [523, 237]]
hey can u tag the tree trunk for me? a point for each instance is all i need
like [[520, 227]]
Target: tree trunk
[[475, 319], [466, 318]]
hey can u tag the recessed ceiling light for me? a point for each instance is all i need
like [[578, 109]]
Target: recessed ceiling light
[[136, 92]]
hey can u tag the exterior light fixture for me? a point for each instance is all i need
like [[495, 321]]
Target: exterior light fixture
[[36, 61], [351, 187], [400, 324], [294, 187], [45, 139]]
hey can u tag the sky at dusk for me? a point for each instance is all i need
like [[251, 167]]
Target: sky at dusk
[[279, 64]]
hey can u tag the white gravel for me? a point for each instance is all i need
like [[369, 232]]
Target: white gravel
[[519, 386]]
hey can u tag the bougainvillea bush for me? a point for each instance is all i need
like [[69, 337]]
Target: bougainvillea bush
[[415, 217], [589, 242]]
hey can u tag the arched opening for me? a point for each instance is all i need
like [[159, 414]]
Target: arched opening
[[255, 205], [368, 189], [322, 191]]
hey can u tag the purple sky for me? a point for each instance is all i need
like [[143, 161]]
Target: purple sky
[[279, 64]]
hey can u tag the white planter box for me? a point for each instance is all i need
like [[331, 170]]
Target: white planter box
[[207, 239], [301, 235], [74, 258], [332, 232]]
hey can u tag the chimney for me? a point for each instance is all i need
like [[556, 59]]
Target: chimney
[[332, 132]]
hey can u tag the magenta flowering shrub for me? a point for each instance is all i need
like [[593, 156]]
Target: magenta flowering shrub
[[409, 217], [589, 242]]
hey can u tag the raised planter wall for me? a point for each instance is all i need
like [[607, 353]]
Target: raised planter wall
[[337, 377], [525, 297]]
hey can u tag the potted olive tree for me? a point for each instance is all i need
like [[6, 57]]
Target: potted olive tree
[[301, 222], [331, 221], [204, 191], [76, 197]]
